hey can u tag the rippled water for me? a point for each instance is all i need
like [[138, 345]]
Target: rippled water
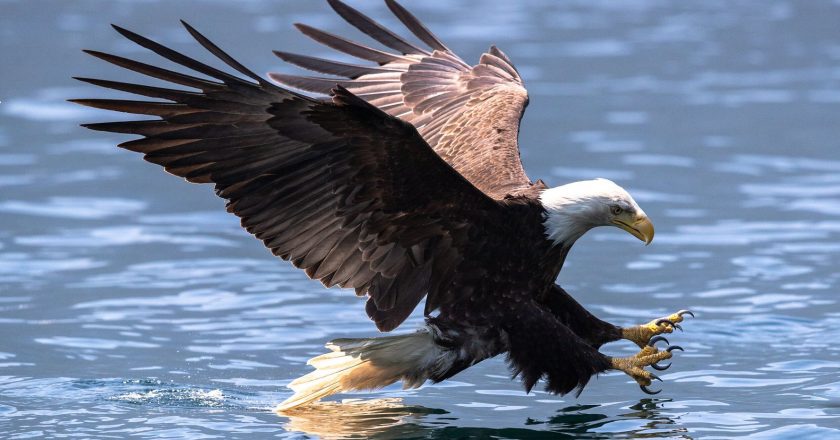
[[132, 306]]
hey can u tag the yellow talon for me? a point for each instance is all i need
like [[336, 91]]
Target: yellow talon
[[641, 334], [634, 366]]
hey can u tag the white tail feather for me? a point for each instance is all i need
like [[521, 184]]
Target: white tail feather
[[366, 364]]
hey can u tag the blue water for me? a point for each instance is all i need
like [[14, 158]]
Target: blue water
[[131, 305]]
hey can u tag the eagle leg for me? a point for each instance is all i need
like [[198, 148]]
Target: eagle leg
[[642, 334], [584, 324], [649, 356]]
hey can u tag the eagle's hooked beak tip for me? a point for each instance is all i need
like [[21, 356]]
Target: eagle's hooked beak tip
[[642, 228], [645, 228]]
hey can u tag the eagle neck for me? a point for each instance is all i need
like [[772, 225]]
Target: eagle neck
[[553, 258], [566, 216]]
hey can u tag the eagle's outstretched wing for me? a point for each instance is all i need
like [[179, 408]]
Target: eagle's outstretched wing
[[353, 196], [469, 114]]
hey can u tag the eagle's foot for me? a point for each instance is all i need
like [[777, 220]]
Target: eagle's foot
[[649, 356], [642, 334]]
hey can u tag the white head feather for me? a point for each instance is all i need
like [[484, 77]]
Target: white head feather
[[577, 207]]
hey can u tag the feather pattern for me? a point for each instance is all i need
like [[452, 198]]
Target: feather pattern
[[405, 184], [468, 114], [341, 189]]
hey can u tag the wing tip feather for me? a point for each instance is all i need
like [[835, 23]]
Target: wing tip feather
[[122, 31]]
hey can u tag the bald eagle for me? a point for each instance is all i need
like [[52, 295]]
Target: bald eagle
[[403, 183]]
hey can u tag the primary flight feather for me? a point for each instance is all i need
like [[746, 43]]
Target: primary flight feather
[[404, 183]]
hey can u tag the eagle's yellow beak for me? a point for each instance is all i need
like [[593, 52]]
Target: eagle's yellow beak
[[642, 228]]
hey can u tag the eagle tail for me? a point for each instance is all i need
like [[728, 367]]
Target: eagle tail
[[367, 364]]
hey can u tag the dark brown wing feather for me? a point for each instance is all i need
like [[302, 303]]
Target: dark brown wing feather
[[353, 196], [469, 114]]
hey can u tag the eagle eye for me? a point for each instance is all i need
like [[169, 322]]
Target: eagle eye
[[616, 210]]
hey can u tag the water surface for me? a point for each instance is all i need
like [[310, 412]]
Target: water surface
[[131, 305]]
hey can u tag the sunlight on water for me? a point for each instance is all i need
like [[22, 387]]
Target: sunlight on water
[[73, 208], [157, 397]]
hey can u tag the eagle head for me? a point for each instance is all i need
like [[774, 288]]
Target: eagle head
[[573, 209]]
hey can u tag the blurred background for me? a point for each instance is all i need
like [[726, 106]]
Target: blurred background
[[131, 305]]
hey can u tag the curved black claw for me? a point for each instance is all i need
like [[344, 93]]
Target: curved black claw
[[669, 322], [686, 312], [660, 367], [674, 347], [647, 391], [656, 339], [664, 321]]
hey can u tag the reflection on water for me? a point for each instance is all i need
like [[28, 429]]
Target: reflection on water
[[390, 419], [131, 305], [370, 418]]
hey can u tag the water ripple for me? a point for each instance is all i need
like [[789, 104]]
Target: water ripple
[[719, 116], [93, 343], [73, 207]]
